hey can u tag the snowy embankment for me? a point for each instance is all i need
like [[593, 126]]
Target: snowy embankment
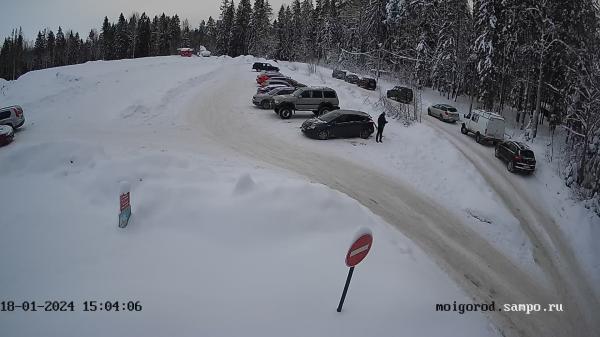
[[217, 245], [423, 156]]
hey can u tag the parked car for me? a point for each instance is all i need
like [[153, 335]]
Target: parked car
[[518, 156], [272, 78], [258, 66], [13, 116], [265, 76], [367, 83], [486, 126], [339, 74], [6, 134], [319, 100], [284, 81], [339, 124], [444, 112], [401, 94], [352, 78], [265, 100], [265, 89]]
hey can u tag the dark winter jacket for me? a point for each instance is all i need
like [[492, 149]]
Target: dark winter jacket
[[381, 121]]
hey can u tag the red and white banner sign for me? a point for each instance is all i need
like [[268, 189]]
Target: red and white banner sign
[[360, 248], [125, 201]]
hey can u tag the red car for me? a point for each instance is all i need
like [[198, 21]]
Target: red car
[[6, 134], [261, 78]]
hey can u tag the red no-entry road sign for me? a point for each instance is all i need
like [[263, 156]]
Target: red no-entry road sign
[[359, 249], [357, 252]]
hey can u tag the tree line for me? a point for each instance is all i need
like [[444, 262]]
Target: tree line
[[538, 57]]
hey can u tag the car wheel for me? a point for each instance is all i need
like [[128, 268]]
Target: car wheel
[[266, 104], [463, 129], [285, 113], [365, 133], [323, 135], [510, 166], [429, 112], [323, 110], [478, 137], [497, 153]]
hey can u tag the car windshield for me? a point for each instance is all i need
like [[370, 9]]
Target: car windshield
[[527, 154], [328, 117], [297, 93]]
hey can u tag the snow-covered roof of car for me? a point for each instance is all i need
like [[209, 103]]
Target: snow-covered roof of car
[[488, 114]]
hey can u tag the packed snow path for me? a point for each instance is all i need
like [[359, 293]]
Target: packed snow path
[[471, 261]]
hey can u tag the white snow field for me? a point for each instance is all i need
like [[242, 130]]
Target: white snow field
[[219, 244]]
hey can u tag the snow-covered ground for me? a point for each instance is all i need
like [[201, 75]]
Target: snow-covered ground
[[218, 245]]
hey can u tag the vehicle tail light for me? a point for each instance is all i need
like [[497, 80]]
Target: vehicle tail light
[[518, 158], [18, 112]]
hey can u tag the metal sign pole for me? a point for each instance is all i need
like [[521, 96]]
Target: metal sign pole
[[350, 272]]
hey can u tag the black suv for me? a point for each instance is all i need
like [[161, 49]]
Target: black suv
[[340, 124], [339, 74], [517, 156], [401, 94], [367, 83], [258, 66]]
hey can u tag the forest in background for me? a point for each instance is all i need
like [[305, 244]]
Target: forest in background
[[538, 57]]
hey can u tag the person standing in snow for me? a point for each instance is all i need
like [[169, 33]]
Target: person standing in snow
[[381, 122]]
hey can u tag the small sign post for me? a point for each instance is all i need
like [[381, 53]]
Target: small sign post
[[125, 204], [357, 252]]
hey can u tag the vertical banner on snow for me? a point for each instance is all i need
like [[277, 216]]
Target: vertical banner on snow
[[125, 204]]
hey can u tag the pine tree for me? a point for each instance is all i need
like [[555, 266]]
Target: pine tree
[[486, 49], [225, 26], [239, 37], [108, 40], [122, 40], [60, 49], [39, 51], [143, 34], [50, 47], [174, 34]]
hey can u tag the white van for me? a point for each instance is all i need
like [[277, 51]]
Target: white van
[[486, 126]]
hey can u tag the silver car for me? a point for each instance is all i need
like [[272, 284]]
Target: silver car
[[265, 100], [444, 112], [13, 116]]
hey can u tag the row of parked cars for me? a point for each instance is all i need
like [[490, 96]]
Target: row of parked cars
[[399, 93], [11, 118], [489, 127], [363, 82], [286, 97]]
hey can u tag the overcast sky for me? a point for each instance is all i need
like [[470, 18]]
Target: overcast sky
[[82, 15]]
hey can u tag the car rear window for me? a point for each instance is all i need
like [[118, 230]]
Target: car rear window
[[527, 154], [329, 94]]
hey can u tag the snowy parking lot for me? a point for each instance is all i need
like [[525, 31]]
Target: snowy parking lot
[[241, 224]]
